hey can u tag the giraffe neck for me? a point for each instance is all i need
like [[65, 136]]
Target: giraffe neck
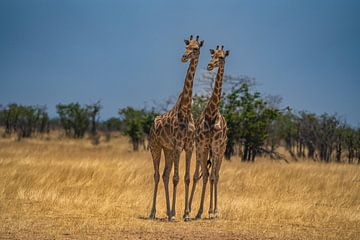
[[213, 103], [185, 98]]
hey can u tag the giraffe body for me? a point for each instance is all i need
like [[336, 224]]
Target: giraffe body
[[211, 138], [173, 132]]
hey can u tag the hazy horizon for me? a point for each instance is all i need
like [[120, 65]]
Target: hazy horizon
[[128, 53]]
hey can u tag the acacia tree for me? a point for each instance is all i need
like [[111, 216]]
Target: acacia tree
[[113, 124], [350, 138], [133, 125], [323, 137], [93, 111], [24, 120], [326, 136], [230, 110], [74, 119], [249, 119], [256, 119], [10, 116], [340, 141], [283, 131]]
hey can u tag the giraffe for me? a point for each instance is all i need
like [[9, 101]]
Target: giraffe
[[174, 132], [210, 137]]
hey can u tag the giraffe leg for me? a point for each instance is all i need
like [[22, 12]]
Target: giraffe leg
[[175, 157], [199, 157], [212, 180], [187, 183], [216, 211], [156, 155], [205, 179], [195, 180], [166, 176]]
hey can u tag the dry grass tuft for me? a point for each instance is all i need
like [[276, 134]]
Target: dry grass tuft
[[61, 188]]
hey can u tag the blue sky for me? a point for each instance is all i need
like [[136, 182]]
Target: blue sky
[[128, 52]]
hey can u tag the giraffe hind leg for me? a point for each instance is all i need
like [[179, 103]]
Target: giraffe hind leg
[[166, 177], [188, 153], [175, 159], [199, 156], [218, 157], [156, 155], [205, 180], [212, 181]]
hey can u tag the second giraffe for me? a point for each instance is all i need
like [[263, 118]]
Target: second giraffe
[[211, 138]]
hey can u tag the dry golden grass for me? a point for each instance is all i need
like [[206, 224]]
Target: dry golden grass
[[71, 189]]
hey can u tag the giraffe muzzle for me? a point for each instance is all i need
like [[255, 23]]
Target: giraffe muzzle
[[210, 67], [185, 58]]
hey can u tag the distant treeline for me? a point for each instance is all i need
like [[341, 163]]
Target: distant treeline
[[256, 125]]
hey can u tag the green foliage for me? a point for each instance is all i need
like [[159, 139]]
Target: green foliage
[[323, 137], [326, 135], [351, 140], [230, 110], [198, 105], [255, 125], [137, 124], [93, 110], [24, 120], [113, 124], [282, 129], [249, 119], [148, 120], [74, 119]]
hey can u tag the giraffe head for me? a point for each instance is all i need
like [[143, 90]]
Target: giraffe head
[[217, 56], [192, 48]]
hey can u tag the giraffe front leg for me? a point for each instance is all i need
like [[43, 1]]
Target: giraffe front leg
[[205, 179], [217, 170], [216, 211], [195, 180], [212, 181], [199, 157], [156, 154], [166, 176], [175, 156], [187, 183]]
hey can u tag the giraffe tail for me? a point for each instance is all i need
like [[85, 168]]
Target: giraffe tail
[[208, 166]]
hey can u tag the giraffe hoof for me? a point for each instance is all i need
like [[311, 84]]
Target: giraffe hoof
[[198, 216], [172, 218], [211, 215], [186, 218], [152, 216]]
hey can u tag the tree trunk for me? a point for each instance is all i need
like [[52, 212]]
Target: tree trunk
[[311, 152], [338, 153], [135, 144], [253, 155], [245, 153]]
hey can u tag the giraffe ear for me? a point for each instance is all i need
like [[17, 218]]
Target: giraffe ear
[[227, 53], [201, 43], [186, 41], [212, 51]]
